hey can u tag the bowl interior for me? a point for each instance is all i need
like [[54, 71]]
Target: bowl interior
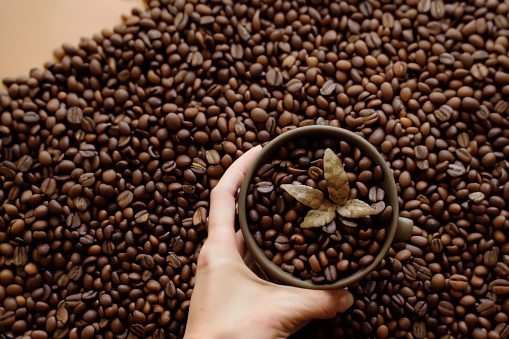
[[274, 271]]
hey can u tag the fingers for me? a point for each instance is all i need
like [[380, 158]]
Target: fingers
[[222, 199]]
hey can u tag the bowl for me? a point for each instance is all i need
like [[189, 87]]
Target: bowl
[[399, 228]]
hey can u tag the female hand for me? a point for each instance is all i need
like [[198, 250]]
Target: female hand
[[229, 300]]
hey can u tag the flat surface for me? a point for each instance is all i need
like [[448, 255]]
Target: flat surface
[[31, 29]]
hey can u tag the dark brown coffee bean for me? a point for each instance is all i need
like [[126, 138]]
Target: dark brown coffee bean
[[486, 307], [329, 38], [8, 170], [49, 186], [87, 240], [328, 88], [264, 187], [446, 308], [470, 104], [20, 256], [444, 113], [274, 78], [198, 166], [88, 332], [259, 115], [315, 264], [87, 179], [499, 286], [25, 163], [125, 198], [7, 318], [447, 59], [419, 329], [456, 170], [294, 86], [458, 282], [89, 295], [169, 166], [62, 314], [172, 122], [491, 257], [421, 308], [237, 51], [81, 203], [213, 157], [243, 33], [330, 273], [147, 261], [366, 260], [74, 115]]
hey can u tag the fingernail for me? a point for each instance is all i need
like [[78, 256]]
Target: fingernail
[[345, 301]]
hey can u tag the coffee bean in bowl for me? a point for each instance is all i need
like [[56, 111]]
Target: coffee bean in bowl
[[318, 208], [306, 218]]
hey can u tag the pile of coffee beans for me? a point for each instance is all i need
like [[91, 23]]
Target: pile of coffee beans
[[109, 153], [322, 254]]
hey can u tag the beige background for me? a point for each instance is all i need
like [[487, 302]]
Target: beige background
[[31, 29]]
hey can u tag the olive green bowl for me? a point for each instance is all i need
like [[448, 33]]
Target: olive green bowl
[[399, 229]]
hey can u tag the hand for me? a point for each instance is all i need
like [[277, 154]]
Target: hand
[[229, 300]]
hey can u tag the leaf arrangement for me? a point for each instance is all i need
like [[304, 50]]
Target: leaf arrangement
[[324, 210]]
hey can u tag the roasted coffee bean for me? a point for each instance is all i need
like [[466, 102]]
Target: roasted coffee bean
[[62, 314], [7, 318], [213, 157], [169, 166], [499, 286], [328, 88], [259, 115], [486, 307], [49, 186], [421, 308], [198, 166], [25, 163], [446, 308], [74, 115], [87, 179], [294, 86], [20, 256], [458, 282], [264, 187], [125, 198], [274, 78], [330, 273]]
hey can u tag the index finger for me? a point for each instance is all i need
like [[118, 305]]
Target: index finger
[[222, 199]]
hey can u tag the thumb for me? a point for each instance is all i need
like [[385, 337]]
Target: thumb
[[320, 304]]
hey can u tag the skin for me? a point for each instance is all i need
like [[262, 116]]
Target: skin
[[229, 300]]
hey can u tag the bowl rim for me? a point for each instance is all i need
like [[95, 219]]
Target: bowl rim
[[388, 183]]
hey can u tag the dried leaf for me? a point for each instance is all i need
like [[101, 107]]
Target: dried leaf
[[321, 216], [355, 208], [304, 194], [337, 180]]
